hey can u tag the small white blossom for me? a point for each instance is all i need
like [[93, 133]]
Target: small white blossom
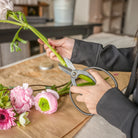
[[5, 5], [23, 120], [25, 85]]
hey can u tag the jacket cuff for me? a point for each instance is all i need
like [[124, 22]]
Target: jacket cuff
[[85, 53], [117, 109]]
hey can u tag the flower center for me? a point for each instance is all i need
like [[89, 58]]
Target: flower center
[[43, 104], [2, 117]]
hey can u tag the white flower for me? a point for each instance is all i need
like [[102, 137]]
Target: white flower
[[5, 5], [23, 120]]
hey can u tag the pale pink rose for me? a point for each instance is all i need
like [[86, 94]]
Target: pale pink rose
[[21, 98], [46, 102], [7, 118]]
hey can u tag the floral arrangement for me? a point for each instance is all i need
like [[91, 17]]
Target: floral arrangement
[[16, 102]]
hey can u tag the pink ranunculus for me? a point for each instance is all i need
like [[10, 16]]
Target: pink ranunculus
[[53, 92], [7, 118], [46, 102], [21, 98]]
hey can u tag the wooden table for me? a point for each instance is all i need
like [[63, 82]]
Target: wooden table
[[67, 121]]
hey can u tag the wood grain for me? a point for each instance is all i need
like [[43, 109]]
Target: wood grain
[[67, 121]]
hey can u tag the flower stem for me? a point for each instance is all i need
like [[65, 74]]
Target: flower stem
[[44, 39], [11, 22]]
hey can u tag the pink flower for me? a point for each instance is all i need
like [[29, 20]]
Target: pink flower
[[7, 118], [46, 102], [53, 92], [21, 98]]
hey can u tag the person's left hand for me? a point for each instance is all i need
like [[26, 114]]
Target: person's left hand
[[91, 95]]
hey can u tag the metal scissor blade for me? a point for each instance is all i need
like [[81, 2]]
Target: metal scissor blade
[[65, 69], [69, 64]]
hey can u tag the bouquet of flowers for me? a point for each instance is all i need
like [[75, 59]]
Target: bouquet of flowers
[[16, 102]]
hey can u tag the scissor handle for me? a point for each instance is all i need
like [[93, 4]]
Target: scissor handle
[[90, 76], [75, 74]]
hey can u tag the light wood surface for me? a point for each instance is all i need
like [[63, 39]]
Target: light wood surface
[[67, 121]]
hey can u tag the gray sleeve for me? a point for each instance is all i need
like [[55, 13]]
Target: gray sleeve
[[109, 58], [119, 111]]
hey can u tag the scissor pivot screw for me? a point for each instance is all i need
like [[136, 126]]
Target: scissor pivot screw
[[74, 73]]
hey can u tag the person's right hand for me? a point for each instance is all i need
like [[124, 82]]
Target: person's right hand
[[63, 46]]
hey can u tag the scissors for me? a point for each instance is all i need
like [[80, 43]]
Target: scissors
[[74, 73]]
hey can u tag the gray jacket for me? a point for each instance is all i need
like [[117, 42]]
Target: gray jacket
[[114, 106]]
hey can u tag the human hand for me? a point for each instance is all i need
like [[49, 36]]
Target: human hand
[[91, 95], [63, 46]]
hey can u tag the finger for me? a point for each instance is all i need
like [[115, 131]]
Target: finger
[[93, 111], [46, 47], [48, 52], [80, 98], [52, 55], [76, 89], [56, 42], [96, 75], [40, 41], [55, 58]]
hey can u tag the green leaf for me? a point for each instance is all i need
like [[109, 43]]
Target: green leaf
[[8, 104], [106, 78], [24, 18], [14, 43], [1, 104], [12, 47], [5, 99], [1, 93], [20, 16], [8, 13], [11, 87], [18, 123], [21, 40], [53, 87], [17, 48], [1, 87]]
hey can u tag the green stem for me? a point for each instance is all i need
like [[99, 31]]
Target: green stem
[[65, 87], [63, 93], [43, 38], [86, 84], [11, 22]]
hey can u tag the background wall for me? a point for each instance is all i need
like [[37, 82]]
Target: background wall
[[131, 21], [81, 11]]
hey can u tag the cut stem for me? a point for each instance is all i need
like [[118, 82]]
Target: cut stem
[[44, 39]]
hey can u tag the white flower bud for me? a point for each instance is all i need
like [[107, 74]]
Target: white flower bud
[[23, 120], [5, 5]]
